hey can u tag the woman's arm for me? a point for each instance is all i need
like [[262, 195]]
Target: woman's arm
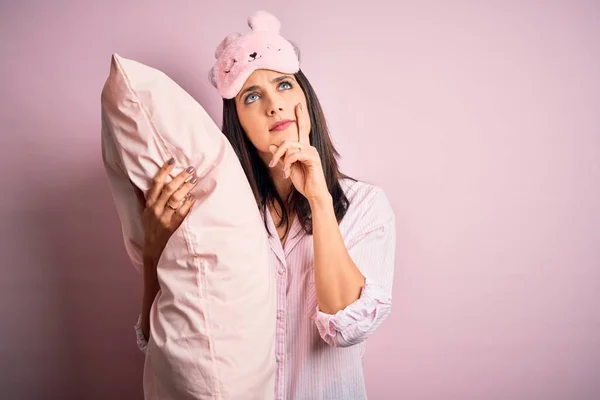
[[151, 288], [338, 282], [370, 243]]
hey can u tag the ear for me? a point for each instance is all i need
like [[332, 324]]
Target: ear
[[226, 42], [264, 22]]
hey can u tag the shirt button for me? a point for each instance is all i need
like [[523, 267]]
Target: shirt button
[[278, 358], [281, 271], [279, 314]]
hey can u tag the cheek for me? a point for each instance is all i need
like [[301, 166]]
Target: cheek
[[254, 127], [299, 98]]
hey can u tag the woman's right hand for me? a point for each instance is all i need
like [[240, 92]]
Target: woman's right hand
[[167, 205]]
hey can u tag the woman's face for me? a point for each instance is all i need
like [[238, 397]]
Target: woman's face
[[266, 99]]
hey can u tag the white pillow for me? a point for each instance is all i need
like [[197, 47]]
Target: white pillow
[[213, 321]]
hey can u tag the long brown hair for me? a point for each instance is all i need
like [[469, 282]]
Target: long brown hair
[[258, 174]]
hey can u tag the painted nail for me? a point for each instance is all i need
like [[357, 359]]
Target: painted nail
[[190, 170], [171, 161], [271, 163], [194, 180]]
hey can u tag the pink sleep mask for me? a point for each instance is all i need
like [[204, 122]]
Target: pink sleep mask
[[261, 48]]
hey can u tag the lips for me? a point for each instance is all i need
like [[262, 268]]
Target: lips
[[281, 125]]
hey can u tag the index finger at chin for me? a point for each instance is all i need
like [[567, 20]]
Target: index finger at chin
[[303, 128]]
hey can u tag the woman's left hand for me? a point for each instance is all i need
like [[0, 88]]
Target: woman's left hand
[[301, 161]]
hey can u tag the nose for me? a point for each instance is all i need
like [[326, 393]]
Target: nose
[[274, 103], [253, 55], [275, 110]]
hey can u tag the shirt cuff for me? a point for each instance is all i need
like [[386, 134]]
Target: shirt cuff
[[358, 320], [140, 339]]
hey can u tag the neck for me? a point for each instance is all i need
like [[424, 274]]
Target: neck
[[282, 185]]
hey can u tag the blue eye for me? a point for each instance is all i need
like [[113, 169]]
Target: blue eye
[[249, 98], [252, 97], [281, 85]]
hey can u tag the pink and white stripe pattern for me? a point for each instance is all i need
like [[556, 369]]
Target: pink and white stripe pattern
[[320, 356]]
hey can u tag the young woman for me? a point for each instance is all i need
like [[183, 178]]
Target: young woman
[[332, 238]]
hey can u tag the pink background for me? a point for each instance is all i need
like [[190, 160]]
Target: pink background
[[480, 120]]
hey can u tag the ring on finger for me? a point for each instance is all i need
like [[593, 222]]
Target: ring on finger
[[186, 198]]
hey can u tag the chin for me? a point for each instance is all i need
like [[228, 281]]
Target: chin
[[279, 136]]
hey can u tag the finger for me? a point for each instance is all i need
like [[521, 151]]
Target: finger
[[176, 199], [279, 153], [285, 160], [287, 144], [171, 188], [158, 181], [273, 149], [185, 208], [184, 190], [288, 164], [303, 125], [302, 156]]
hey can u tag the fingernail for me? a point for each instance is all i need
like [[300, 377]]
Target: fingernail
[[271, 163], [171, 161], [190, 170], [194, 180], [300, 106]]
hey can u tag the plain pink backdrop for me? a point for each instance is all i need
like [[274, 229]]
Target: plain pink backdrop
[[481, 121]]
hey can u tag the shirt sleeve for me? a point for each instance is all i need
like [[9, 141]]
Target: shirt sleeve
[[371, 245], [141, 340]]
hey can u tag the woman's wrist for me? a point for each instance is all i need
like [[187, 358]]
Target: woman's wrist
[[150, 261], [151, 254], [323, 201]]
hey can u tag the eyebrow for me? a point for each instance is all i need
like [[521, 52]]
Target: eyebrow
[[254, 87]]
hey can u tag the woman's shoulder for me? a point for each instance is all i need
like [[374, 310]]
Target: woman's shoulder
[[367, 200], [361, 192]]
